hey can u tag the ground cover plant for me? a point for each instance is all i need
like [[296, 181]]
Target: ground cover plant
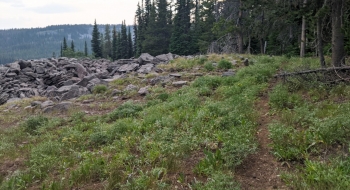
[[313, 131], [193, 136]]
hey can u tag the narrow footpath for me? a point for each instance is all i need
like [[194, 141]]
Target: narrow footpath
[[261, 170]]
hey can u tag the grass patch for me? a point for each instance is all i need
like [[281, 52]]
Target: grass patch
[[312, 128]]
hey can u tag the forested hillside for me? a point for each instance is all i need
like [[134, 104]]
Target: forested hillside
[[36, 43], [278, 27]]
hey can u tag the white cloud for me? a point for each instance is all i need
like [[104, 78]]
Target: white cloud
[[54, 9], [29, 13]]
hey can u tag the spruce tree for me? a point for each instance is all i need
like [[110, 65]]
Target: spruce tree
[[61, 53], [139, 32], [114, 44], [72, 46], [108, 42], [130, 46], [134, 44], [65, 47], [157, 33], [85, 49], [95, 42], [123, 42], [119, 46], [102, 45], [180, 42], [204, 25]]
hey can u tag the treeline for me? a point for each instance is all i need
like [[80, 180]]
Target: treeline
[[115, 44], [35, 43], [289, 27]]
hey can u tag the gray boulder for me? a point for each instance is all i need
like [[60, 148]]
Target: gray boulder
[[147, 58], [24, 64], [145, 69], [85, 81], [3, 98], [179, 83], [128, 67], [165, 57], [46, 104], [80, 70], [60, 107], [130, 87], [143, 91]]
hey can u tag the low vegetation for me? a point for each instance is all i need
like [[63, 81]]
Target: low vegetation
[[189, 137]]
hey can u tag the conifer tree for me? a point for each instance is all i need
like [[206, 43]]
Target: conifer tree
[[204, 25], [108, 42], [102, 45], [139, 32], [157, 33], [114, 44], [119, 46], [85, 49], [95, 42], [181, 39], [72, 46], [61, 51], [65, 47], [123, 42], [130, 46]]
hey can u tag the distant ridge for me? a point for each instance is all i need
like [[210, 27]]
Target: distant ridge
[[34, 43]]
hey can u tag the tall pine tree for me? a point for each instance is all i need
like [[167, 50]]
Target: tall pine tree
[[181, 39], [130, 44], [139, 31], [157, 33], [107, 53], [95, 42], [85, 49], [114, 44], [72, 46], [65, 46], [123, 42]]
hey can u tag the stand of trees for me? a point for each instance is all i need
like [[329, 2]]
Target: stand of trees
[[70, 51], [36, 43], [288, 27], [114, 45]]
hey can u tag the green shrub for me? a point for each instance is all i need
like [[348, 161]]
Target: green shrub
[[202, 60], [98, 138], [280, 98], [92, 169], [288, 143], [128, 109], [333, 174], [99, 89], [211, 82], [209, 66], [33, 123], [224, 64], [163, 96]]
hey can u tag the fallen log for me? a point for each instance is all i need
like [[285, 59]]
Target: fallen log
[[313, 71]]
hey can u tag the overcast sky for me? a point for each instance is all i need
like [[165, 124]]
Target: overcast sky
[[41, 13]]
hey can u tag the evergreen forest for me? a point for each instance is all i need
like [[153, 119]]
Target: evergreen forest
[[35, 43], [274, 27]]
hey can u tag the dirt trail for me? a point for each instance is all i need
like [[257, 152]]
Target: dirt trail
[[261, 170]]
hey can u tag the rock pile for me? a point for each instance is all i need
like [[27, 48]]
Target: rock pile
[[65, 78]]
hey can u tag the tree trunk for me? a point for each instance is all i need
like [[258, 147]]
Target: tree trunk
[[261, 45], [249, 41], [240, 42], [338, 51], [320, 42], [303, 34], [239, 32]]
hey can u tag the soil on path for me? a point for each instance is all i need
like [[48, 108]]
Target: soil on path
[[261, 170]]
